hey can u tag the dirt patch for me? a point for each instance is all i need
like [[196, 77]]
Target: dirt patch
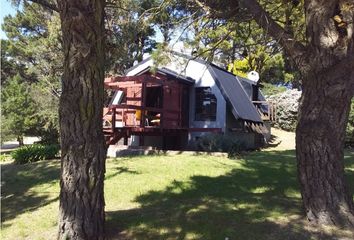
[[281, 140]]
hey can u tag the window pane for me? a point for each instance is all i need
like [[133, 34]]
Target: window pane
[[205, 104]]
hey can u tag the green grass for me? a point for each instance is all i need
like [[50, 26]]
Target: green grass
[[173, 197]]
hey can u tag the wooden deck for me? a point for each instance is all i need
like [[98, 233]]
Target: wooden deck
[[267, 110], [154, 105]]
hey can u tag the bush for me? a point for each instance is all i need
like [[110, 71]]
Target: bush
[[287, 104], [49, 136], [269, 89], [220, 143], [34, 153], [287, 109]]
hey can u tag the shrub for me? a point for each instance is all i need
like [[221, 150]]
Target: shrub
[[269, 89], [4, 157], [34, 153], [287, 109], [220, 143], [287, 104]]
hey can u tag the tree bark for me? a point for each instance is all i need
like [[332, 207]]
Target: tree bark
[[81, 213], [328, 88], [319, 149]]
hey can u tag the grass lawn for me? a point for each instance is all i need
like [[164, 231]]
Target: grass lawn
[[174, 197]]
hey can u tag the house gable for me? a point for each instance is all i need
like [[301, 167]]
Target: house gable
[[234, 90]]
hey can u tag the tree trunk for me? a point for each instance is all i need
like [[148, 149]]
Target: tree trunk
[[81, 213], [20, 141], [328, 87], [320, 137]]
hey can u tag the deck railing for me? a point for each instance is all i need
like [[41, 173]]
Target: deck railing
[[139, 116], [267, 110]]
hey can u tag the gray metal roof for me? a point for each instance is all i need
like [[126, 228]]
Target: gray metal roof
[[235, 94], [176, 75], [167, 72], [248, 87], [137, 65]]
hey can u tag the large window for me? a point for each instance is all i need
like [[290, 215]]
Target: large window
[[205, 104]]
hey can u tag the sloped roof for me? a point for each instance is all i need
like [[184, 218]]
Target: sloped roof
[[176, 75], [137, 65], [247, 86], [234, 93], [162, 70]]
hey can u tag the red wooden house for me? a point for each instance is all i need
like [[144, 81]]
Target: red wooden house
[[175, 104]]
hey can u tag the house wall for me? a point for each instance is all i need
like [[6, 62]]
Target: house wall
[[171, 142], [200, 73], [231, 122], [235, 128]]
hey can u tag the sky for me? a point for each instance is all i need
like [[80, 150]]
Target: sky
[[5, 9]]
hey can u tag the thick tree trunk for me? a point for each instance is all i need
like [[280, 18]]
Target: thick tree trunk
[[82, 143], [328, 87], [319, 148]]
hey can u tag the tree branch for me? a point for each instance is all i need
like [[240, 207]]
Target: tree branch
[[46, 4], [295, 49]]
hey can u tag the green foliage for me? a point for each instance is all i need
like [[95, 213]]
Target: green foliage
[[129, 33], [233, 42], [160, 56], [270, 67], [5, 157], [240, 67], [269, 89], [34, 50], [220, 143], [349, 137], [34, 153], [47, 113], [18, 109]]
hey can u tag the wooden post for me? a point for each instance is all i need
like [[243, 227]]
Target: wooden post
[[143, 104], [113, 119], [180, 106]]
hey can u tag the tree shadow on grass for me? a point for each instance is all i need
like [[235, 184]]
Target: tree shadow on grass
[[242, 204], [120, 170], [17, 181]]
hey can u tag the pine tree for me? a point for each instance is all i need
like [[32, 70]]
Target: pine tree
[[18, 111]]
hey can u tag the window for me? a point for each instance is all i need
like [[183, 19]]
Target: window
[[205, 104]]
